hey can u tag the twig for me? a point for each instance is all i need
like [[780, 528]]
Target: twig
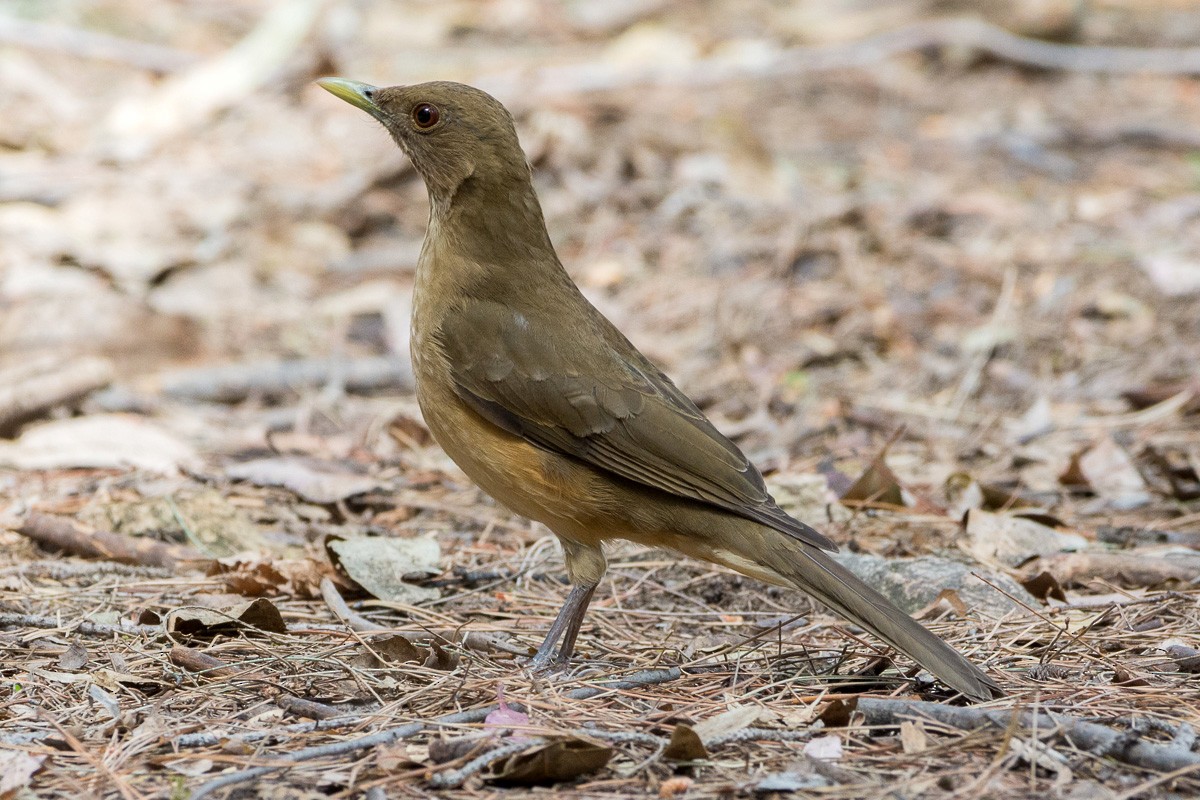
[[645, 678], [189, 98], [453, 778], [337, 605], [1089, 737], [311, 709], [63, 570], [196, 661], [62, 534], [83, 627], [209, 739], [472, 640], [90, 44]]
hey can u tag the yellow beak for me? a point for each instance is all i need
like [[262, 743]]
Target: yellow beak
[[355, 93]]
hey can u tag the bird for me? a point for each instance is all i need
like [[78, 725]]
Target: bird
[[547, 407]]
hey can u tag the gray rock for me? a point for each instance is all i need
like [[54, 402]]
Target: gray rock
[[914, 583]]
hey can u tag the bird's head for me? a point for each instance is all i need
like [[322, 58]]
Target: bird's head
[[450, 131]]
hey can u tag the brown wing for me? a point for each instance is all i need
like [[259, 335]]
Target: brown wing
[[618, 414]]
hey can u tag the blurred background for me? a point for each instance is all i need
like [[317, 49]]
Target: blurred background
[[826, 220]]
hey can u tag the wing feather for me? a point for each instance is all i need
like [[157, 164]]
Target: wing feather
[[617, 414]]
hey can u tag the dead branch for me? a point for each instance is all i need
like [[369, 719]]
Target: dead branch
[[191, 97], [81, 43], [233, 383], [208, 739], [337, 605], [961, 33], [640, 679], [68, 570], [453, 778], [196, 661], [60, 533], [309, 709], [1097, 740], [32, 389], [82, 627]]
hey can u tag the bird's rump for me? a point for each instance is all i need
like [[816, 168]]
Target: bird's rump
[[614, 411]]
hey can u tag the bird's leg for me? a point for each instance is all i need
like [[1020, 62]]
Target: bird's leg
[[565, 626], [585, 568]]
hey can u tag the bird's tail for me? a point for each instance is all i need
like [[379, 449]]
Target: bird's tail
[[814, 572]]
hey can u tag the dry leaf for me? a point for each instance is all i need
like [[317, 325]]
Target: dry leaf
[[1043, 586], [257, 614], [315, 480], [837, 713], [254, 576], [379, 565], [727, 722], [73, 658], [99, 441], [685, 745], [1150, 568], [1011, 540], [17, 769], [912, 736], [824, 748], [557, 761], [397, 650], [1107, 471], [878, 485]]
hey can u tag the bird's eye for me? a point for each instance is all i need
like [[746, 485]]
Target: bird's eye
[[426, 115]]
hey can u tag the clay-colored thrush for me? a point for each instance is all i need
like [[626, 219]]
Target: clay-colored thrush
[[546, 406]]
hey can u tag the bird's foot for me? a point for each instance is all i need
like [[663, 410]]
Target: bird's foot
[[548, 660]]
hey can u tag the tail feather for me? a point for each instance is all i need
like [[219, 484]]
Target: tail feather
[[814, 572]]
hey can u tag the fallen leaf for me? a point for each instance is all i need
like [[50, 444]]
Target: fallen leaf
[[73, 658], [791, 782], [206, 518], [1044, 586], [440, 658], [557, 761], [1012, 540], [17, 769], [824, 748], [191, 767], [1106, 470], [315, 480], [836, 713], [877, 485], [105, 700], [1187, 659], [98, 441], [257, 575], [398, 650], [379, 564], [912, 736], [685, 745], [727, 722], [1152, 567], [260, 614], [1172, 274]]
